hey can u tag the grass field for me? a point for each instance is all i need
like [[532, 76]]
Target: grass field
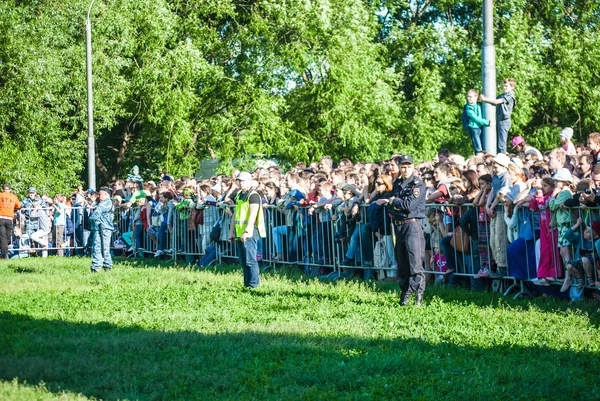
[[154, 332]]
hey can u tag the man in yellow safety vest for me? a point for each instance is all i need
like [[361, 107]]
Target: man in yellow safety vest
[[247, 226]]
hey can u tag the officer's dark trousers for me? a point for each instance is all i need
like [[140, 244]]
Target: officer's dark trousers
[[410, 250]]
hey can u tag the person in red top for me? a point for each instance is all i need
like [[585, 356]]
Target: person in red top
[[9, 203]]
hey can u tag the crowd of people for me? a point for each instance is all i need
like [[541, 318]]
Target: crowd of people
[[486, 216], [521, 214]]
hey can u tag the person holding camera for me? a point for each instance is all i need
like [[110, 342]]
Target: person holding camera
[[407, 208]]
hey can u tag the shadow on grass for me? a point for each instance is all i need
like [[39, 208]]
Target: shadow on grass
[[458, 295], [109, 362]]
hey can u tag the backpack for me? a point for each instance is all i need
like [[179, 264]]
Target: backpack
[[465, 119]]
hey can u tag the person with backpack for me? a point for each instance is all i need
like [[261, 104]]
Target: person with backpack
[[473, 120]]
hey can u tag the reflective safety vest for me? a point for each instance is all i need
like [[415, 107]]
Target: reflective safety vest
[[242, 212]]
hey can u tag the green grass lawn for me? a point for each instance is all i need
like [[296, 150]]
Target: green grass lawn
[[155, 332]]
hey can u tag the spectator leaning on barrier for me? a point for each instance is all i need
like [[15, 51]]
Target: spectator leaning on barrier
[[498, 243], [59, 223], [561, 217], [39, 215], [9, 204], [101, 226], [31, 226], [407, 209]]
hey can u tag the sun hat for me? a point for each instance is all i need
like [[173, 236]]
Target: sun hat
[[244, 176], [567, 133], [502, 159], [564, 175]]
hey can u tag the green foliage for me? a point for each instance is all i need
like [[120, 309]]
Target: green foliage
[[151, 330], [177, 81]]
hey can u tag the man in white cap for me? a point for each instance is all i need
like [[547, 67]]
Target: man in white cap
[[247, 226]]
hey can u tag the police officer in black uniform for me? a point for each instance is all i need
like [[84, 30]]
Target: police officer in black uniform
[[407, 208]]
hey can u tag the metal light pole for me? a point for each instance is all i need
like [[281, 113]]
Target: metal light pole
[[90, 100], [488, 71]]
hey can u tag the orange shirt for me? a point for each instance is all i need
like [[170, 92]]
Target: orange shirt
[[9, 203]]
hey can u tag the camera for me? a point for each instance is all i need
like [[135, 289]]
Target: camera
[[588, 191]]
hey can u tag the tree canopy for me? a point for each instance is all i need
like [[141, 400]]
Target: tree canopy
[[178, 81]]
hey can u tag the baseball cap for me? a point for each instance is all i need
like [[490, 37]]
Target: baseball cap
[[517, 140], [107, 190], [31, 190], [5, 186], [340, 185], [502, 159], [403, 159], [166, 178], [296, 193], [244, 176], [350, 187]]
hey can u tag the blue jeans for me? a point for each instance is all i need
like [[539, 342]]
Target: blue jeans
[[138, 235], [502, 128], [278, 233], [476, 139], [353, 244], [162, 235], [247, 251], [101, 249]]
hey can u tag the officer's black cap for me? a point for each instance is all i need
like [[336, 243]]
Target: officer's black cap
[[405, 159]]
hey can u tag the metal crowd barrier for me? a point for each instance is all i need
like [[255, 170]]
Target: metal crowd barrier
[[68, 238], [462, 240]]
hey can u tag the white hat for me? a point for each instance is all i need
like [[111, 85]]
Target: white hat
[[244, 176], [517, 162], [563, 174], [458, 159], [567, 133], [502, 160]]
